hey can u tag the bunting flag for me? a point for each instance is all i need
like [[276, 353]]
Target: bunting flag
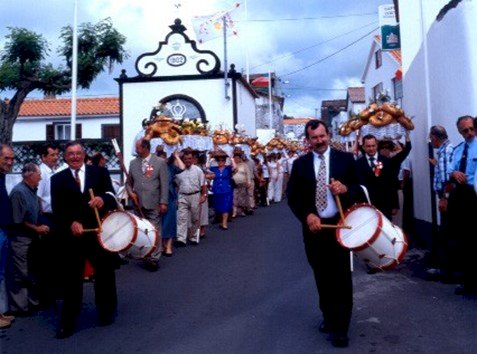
[[210, 27]]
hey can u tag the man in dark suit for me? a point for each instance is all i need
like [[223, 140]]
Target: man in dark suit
[[314, 181], [74, 214], [379, 175], [149, 179]]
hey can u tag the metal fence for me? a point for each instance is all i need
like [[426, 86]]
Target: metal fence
[[28, 151]]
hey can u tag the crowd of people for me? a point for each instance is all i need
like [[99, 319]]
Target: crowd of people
[[382, 173], [60, 207]]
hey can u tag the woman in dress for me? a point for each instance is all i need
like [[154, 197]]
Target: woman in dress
[[242, 178], [169, 219], [222, 197], [274, 184]]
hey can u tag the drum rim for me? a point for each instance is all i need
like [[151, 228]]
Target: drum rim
[[368, 242], [134, 234]]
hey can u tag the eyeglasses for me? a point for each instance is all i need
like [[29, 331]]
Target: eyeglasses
[[467, 130], [74, 154]]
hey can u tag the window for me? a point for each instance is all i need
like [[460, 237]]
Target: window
[[61, 131], [397, 84], [377, 90], [110, 131], [181, 107], [378, 57]]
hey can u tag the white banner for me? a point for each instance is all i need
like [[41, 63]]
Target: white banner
[[210, 27]]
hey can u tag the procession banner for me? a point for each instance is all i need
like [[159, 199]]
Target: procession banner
[[210, 27], [390, 36]]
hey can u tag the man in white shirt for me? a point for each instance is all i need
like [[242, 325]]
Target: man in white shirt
[[47, 271]]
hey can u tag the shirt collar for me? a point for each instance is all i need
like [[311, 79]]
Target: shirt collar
[[80, 170], [326, 154], [443, 146], [147, 158]]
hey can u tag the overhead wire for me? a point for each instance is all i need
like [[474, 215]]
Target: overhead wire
[[308, 18], [313, 46], [331, 55]]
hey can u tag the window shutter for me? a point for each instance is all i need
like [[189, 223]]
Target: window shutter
[[50, 132], [79, 134], [110, 131]]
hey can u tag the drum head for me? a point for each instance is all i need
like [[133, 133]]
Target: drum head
[[365, 221], [118, 231]]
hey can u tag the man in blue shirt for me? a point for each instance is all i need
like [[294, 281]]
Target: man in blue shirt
[[443, 167], [462, 205]]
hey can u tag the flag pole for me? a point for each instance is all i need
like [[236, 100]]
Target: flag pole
[[247, 63], [74, 71], [270, 98], [226, 81]]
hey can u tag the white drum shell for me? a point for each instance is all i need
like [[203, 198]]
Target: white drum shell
[[129, 234], [372, 237]]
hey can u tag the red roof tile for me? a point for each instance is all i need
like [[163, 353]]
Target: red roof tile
[[62, 107], [294, 121], [356, 94]]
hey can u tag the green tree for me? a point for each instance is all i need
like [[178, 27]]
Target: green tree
[[23, 68]]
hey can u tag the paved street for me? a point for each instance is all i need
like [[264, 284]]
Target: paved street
[[250, 290]]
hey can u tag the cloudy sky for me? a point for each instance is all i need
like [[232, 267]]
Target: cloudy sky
[[318, 47]]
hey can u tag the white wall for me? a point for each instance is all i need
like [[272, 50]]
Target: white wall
[[246, 110], [140, 98], [34, 129], [385, 73], [413, 22], [452, 59]]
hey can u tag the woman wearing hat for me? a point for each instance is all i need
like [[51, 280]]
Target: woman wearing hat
[[222, 198]]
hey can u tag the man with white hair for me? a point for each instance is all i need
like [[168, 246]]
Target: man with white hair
[[26, 232]]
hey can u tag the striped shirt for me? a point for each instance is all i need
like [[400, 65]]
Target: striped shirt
[[443, 167]]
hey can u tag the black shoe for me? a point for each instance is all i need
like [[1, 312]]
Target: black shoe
[[323, 328], [123, 261], [64, 332], [151, 266], [194, 243], [104, 321], [179, 244], [465, 290], [339, 340]]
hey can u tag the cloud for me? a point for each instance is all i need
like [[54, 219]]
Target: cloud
[[279, 36]]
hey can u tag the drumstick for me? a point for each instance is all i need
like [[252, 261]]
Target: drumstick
[[340, 209], [91, 230], [327, 226], [91, 194]]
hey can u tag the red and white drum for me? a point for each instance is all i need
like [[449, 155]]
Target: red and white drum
[[129, 234], [372, 237]]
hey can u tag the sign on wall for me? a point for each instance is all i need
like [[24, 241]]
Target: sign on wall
[[390, 36]]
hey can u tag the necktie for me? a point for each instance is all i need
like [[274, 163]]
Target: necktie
[[77, 178], [144, 165], [463, 160], [371, 162], [320, 201]]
